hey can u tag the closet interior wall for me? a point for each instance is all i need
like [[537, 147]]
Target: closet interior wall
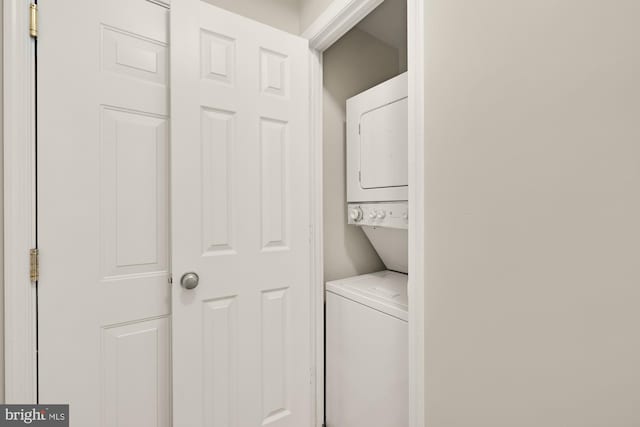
[[355, 63]]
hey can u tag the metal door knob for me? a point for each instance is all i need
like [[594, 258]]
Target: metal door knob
[[189, 280]]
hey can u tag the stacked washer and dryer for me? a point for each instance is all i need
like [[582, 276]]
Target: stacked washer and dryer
[[366, 316]]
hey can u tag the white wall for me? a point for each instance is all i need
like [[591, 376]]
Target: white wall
[[355, 63], [533, 213], [282, 14], [310, 10]]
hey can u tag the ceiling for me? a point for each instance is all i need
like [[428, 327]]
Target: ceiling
[[388, 23]]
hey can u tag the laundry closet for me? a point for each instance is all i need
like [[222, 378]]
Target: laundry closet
[[365, 164]]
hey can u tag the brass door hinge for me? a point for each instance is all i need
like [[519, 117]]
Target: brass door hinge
[[33, 20], [34, 265]]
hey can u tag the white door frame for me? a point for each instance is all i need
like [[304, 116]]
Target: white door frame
[[20, 355], [340, 17]]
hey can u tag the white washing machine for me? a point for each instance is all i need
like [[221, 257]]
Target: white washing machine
[[367, 351]]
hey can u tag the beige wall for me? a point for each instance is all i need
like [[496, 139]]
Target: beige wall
[[533, 213], [282, 14], [355, 63], [310, 10]]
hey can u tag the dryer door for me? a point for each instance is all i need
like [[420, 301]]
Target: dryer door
[[383, 146]]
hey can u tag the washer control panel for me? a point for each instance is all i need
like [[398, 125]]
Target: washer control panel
[[384, 214]]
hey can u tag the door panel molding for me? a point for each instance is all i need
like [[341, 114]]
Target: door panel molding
[[19, 140]]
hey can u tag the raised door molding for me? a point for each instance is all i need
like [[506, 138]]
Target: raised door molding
[[20, 356]]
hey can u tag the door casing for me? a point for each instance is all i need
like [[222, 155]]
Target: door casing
[[19, 143]]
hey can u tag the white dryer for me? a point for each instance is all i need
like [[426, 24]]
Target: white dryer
[[377, 143], [377, 164]]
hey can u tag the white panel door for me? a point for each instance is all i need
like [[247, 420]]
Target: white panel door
[[103, 204], [240, 220]]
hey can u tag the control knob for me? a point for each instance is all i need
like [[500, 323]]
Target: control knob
[[355, 214]]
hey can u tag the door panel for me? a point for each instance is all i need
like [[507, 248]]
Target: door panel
[[141, 351], [240, 165], [103, 224]]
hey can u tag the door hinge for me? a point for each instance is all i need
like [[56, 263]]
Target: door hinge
[[34, 264], [33, 20]]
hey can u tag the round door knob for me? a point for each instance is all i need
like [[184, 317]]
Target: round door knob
[[356, 214], [189, 280]]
